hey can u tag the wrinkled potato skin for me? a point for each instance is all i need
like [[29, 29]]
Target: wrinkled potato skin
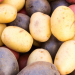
[[8, 62], [40, 27], [2, 27], [17, 39], [8, 13], [65, 57], [17, 3], [62, 23], [39, 55]]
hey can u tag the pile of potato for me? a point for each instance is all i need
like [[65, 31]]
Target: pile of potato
[[37, 37]]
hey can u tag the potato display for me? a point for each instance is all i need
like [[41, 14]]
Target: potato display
[[40, 27], [37, 37], [2, 27], [17, 39]]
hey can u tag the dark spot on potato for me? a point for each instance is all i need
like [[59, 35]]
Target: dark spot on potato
[[63, 17], [21, 31], [41, 51], [41, 57], [36, 23], [52, 67]]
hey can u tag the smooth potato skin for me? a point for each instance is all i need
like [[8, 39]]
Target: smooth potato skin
[[8, 13], [40, 27], [62, 23], [8, 62], [65, 57], [39, 55], [2, 27], [39, 68], [17, 3], [17, 39]]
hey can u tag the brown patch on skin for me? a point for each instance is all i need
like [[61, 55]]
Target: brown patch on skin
[[36, 23], [56, 58], [21, 31], [41, 57], [63, 17], [41, 51]]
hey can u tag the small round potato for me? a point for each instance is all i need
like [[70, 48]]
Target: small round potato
[[2, 27], [8, 13], [17, 39], [40, 27], [62, 23], [39, 55], [17, 3], [65, 57]]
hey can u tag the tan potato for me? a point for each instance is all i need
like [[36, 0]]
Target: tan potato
[[65, 57], [62, 23], [39, 55], [8, 13], [17, 39], [17, 3], [2, 27], [40, 27]]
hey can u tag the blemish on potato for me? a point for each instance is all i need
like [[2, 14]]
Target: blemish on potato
[[21, 31]]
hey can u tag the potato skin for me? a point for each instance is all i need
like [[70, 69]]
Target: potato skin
[[8, 62], [17, 3], [22, 21], [62, 23], [2, 27], [17, 39], [39, 55], [33, 6], [65, 57], [8, 13], [40, 27], [39, 68]]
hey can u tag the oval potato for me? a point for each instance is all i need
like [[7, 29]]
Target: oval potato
[[17, 3], [65, 57], [62, 23], [17, 39], [40, 27], [2, 27], [8, 13], [39, 55]]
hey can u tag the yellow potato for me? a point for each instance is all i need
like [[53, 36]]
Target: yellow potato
[[2, 27], [17, 3], [17, 39], [8, 13], [39, 55], [40, 27], [65, 57], [62, 23]]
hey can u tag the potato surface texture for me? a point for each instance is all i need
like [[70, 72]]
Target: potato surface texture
[[62, 23], [17, 39], [40, 27], [2, 27], [65, 57], [8, 62], [39, 55], [17, 3]]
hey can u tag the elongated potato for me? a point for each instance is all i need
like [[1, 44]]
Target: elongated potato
[[39, 55], [62, 23], [17, 3], [65, 57], [8, 13], [17, 39], [40, 27], [2, 27]]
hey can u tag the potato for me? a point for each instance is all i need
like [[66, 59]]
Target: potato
[[33, 6], [65, 57], [22, 21], [8, 62], [39, 68], [2, 27], [62, 23], [39, 55], [8, 13], [40, 27], [17, 3], [17, 39]]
